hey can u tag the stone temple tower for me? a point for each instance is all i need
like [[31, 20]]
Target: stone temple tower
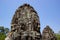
[[26, 23], [48, 34]]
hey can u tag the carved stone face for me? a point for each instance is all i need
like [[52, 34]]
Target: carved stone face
[[26, 17], [46, 35], [27, 20]]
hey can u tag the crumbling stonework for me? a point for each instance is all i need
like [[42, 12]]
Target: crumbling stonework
[[26, 23], [48, 34], [9, 36]]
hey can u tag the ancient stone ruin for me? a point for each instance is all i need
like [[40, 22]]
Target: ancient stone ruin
[[25, 25], [48, 34]]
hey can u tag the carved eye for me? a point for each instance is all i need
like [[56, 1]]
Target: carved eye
[[23, 26]]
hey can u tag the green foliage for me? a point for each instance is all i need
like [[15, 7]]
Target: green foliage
[[1, 29], [2, 36], [3, 32], [58, 36], [6, 30]]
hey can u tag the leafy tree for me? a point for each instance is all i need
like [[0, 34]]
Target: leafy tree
[[1, 29], [6, 30], [3, 32], [2, 36], [58, 36]]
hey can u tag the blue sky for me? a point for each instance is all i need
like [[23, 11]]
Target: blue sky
[[48, 11]]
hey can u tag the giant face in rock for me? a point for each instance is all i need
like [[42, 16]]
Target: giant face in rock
[[26, 22], [48, 34]]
